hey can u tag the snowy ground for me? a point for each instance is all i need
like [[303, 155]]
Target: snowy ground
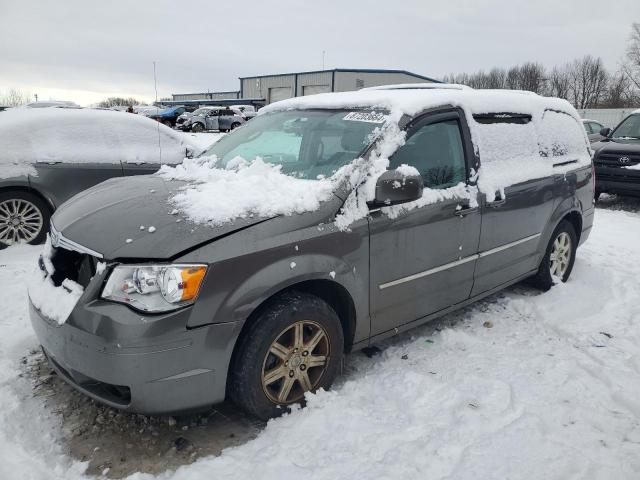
[[522, 386]]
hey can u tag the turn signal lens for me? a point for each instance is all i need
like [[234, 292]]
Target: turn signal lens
[[181, 284]]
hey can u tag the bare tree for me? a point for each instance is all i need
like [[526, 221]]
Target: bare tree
[[512, 79], [631, 67], [587, 82], [14, 98], [532, 77], [619, 92], [496, 78], [118, 102], [558, 83]]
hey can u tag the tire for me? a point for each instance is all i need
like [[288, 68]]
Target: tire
[[596, 195], [33, 213], [235, 125], [544, 278], [197, 127], [264, 383], [168, 123]]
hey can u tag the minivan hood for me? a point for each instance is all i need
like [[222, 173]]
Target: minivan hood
[[109, 219]]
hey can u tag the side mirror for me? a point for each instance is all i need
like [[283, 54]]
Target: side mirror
[[393, 188], [605, 132]]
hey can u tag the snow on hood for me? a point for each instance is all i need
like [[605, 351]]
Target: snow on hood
[[28, 136], [242, 190]]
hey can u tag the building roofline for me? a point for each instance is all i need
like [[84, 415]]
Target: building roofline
[[207, 93], [218, 101], [356, 70]]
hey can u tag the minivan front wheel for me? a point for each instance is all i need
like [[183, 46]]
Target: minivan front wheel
[[197, 127], [559, 257], [24, 218], [294, 346]]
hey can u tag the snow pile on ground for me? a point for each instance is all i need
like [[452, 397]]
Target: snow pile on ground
[[83, 135], [243, 189], [53, 302], [521, 386]]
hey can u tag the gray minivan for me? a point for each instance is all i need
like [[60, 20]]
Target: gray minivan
[[262, 308]]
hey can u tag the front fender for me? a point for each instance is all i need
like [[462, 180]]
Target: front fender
[[238, 284]]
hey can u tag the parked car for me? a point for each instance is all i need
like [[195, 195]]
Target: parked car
[[147, 110], [53, 104], [222, 119], [186, 115], [245, 111], [593, 129], [617, 158], [49, 155], [169, 115], [261, 307]]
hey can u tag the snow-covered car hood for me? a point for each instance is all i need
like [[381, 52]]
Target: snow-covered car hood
[[132, 218]]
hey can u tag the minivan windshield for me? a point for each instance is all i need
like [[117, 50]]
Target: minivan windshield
[[629, 128], [307, 144]]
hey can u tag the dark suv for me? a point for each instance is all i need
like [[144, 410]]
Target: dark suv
[[364, 214], [617, 158]]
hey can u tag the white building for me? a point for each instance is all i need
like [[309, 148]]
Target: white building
[[272, 88]]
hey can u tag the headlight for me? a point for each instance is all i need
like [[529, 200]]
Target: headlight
[[154, 288]]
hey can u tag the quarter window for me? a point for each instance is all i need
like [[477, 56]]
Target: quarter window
[[436, 151]]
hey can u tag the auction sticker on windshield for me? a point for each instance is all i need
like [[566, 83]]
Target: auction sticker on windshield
[[369, 117]]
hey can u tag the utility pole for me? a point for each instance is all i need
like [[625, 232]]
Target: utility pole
[[36, 95], [155, 81]]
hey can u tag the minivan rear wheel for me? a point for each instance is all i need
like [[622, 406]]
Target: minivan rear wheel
[[294, 346], [24, 218], [559, 257]]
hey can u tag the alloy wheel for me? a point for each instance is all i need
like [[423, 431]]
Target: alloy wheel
[[20, 221], [560, 255], [296, 361]]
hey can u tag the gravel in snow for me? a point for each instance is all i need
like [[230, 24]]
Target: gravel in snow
[[550, 391]]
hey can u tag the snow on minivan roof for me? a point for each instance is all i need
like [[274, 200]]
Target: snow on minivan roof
[[412, 99], [66, 135]]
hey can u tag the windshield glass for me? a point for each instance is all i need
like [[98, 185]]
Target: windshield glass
[[201, 111], [306, 143], [629, 128]]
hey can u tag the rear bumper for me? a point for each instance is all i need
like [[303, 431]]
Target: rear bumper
[[156, 373]]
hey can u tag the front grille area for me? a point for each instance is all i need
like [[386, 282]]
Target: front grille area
[[612, 159], [79, 267]]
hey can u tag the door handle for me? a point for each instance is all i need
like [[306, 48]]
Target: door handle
[[464, 209], [498, 202]]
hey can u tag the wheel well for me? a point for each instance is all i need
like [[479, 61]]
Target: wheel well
[[331, 292], [32, 192], [575, 219]]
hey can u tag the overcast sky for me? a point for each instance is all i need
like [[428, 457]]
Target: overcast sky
[[86, 50]]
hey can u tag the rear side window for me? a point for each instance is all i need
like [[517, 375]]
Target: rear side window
[[436, 151], [561, 136]]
